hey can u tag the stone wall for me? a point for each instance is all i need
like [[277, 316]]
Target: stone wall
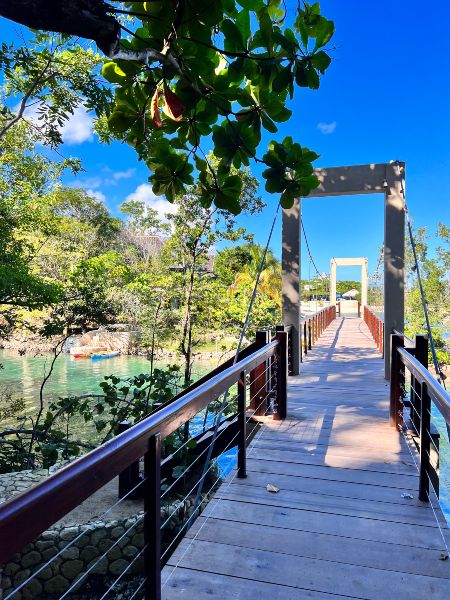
[[79, 548], [74, 549]]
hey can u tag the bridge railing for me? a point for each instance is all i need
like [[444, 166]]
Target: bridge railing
[[257, 380], [376, 327], [312, 327], [410, 357]]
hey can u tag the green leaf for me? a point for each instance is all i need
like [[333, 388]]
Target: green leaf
[[233, 36], [113, 73], [324, 32], [282, 80], [321, 61], [266, 28]]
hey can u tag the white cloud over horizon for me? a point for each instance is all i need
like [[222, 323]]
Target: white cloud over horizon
[[144, 193], [327, 128], [97, 194], [118, 175]]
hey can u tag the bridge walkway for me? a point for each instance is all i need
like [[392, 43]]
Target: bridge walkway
[[343, 524]]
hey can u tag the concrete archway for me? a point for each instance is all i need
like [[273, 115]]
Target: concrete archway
[[349, 262], [383, 178]]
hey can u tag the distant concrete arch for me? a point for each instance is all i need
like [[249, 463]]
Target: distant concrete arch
[[349, 262], [384, 178]]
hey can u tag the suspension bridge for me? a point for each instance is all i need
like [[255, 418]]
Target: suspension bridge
[[335, 490]]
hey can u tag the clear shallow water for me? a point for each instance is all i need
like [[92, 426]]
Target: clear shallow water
[[23, 375]]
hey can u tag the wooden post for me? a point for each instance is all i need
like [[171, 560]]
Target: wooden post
[[152, 519], [242, 425], [280, 411], [309, 336], [425, 443], [397, 377], [258, 377]]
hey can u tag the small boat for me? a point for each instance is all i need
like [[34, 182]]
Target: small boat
[[81, 355], [101, 355]]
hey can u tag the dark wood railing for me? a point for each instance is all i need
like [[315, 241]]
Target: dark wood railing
[[264, 364], [376, 327], [313, 326], [411, 356]]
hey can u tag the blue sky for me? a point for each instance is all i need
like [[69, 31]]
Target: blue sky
[[385, 96]]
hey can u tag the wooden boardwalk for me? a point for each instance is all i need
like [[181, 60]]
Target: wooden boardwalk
[[339, 526]]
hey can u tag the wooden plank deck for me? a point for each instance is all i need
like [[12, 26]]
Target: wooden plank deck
[[338, 527]]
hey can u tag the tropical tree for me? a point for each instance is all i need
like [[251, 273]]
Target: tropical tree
[[189, 72]]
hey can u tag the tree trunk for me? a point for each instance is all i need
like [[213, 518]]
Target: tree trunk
[[83, 18]]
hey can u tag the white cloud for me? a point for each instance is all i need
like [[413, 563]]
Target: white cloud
[[124, 174], [78, 128], [144, 193], [97, 194], [327, 128]]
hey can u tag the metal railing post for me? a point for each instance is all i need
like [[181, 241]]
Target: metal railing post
[[425, 443], [305, 338], [280, 411], [242, 425], [421, 354], [309, 336], [129, 477], [152, 519], [397, 379]]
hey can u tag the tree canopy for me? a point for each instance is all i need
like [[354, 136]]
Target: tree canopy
[[191, 74]]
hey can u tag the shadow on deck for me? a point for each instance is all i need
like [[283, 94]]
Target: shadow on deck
[[340, 524]]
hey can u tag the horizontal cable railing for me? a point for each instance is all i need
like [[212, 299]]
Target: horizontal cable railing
[[420, 391], [312, 327], [375, 324], [172, 483]]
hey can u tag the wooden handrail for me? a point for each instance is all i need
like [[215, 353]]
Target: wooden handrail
[[27, 515], [438, 394]]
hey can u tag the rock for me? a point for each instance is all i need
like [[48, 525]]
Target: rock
[[5, 582], [115, 553], [70, 553], [21, 576], [68, 533], [97, 536], [118, 566], [11, 568], [88, 553], [138, 540], [49, 553], [117, 532], [51, 534], [31, 590], [104, 545], [130, 551], [72, 568], [100, 568], [30, 559], [46, 573], [43, 544], [56, 585]]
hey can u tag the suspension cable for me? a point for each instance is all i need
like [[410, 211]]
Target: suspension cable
[[439, 373], [309, 251], [218, 415]]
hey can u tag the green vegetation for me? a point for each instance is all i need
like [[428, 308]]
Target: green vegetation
[[435, 273], [186, 73]]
